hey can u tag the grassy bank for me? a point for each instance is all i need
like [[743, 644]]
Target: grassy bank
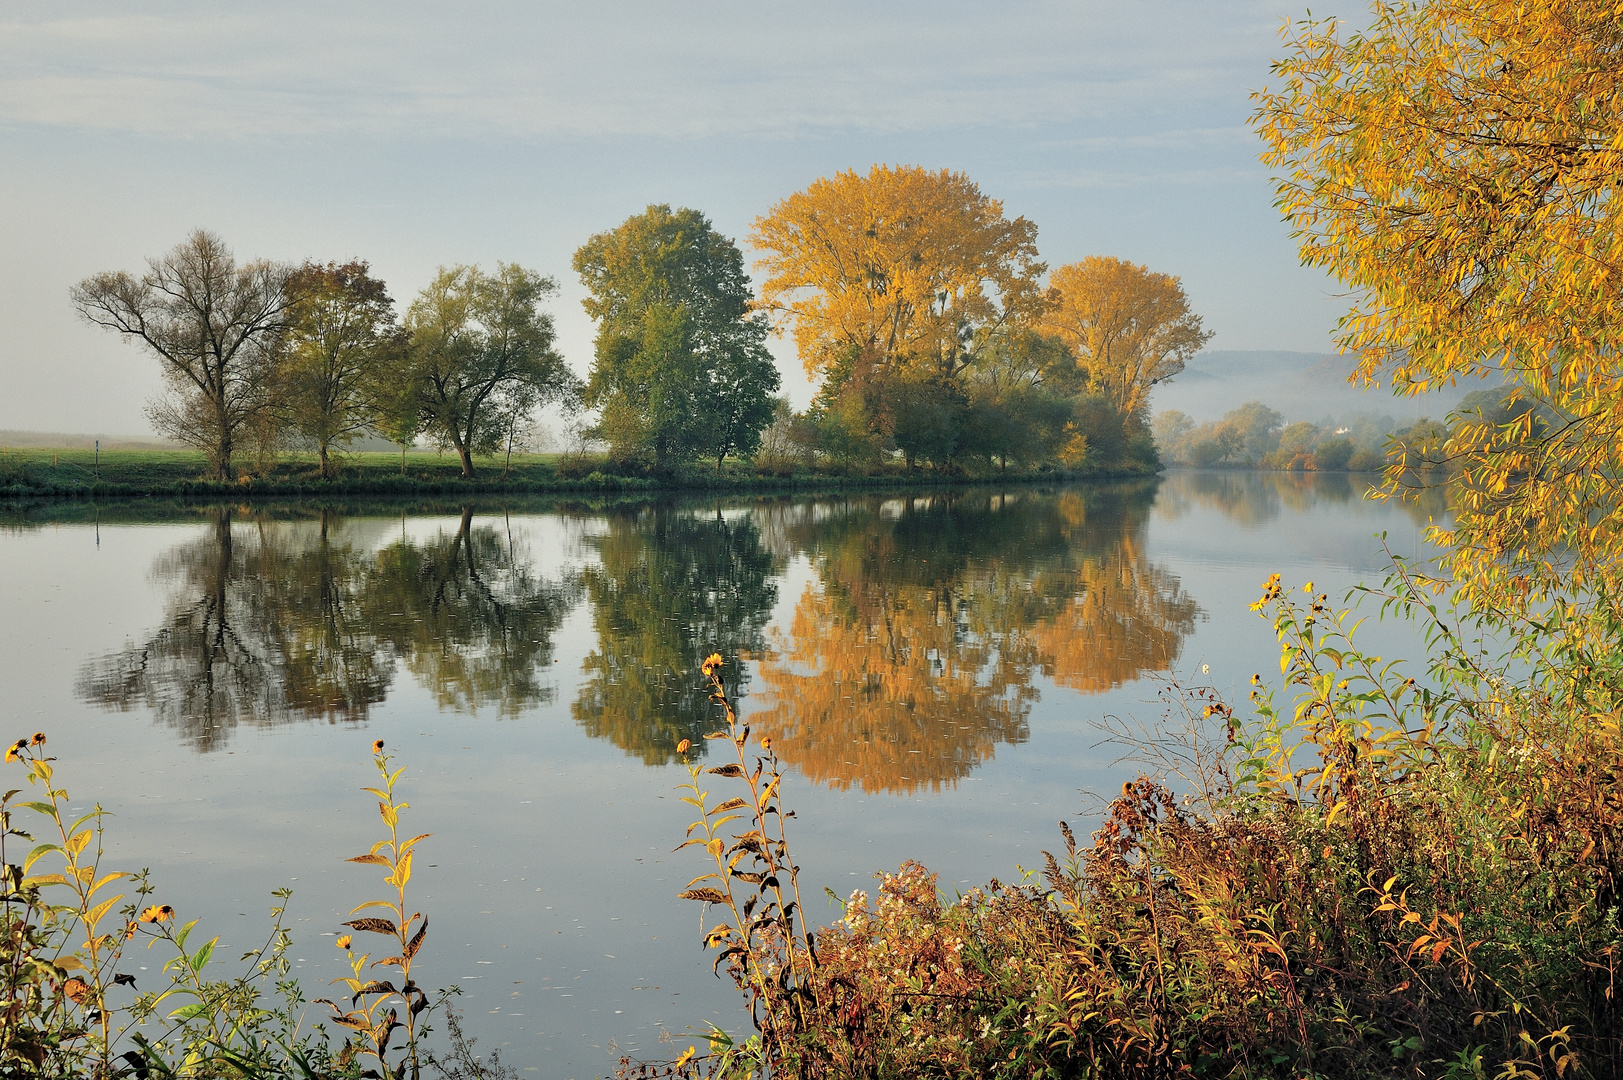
[[78, 474]]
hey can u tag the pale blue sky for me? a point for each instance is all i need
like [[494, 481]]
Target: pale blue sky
[[420, 134]]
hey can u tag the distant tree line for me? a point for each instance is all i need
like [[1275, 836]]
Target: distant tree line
[[1255, 436], [919, 308]]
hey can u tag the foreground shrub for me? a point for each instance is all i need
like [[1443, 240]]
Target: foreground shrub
[[1377, 879], [68, 1009]]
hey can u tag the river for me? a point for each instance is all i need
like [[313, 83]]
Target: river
[[942, 670]]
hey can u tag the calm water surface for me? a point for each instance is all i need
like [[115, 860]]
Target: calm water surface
[[936, 668]]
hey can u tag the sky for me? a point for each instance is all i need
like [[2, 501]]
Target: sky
[[418, 135]]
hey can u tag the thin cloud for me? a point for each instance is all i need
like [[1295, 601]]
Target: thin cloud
[[611, 70]]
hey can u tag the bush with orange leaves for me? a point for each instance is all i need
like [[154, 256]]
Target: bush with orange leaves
[[916, 986], [1374, 878]]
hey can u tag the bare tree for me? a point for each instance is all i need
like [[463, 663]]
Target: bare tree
[[215, 327]]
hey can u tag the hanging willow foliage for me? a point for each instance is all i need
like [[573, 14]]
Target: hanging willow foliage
[[1457, 166]]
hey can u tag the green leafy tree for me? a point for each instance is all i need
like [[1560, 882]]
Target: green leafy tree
[[681, 366], [1332, 454], [340, 338], [479, 346], [1019, 386], [927, 417]]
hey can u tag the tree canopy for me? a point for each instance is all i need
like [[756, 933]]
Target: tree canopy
[[479, 353], [1129, 327], [212, 323], [898, 268], [1456, 166], [340, 326], [681, 366]]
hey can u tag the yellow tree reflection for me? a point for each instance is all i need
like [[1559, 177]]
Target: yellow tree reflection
[[881, 686], [915, 653]]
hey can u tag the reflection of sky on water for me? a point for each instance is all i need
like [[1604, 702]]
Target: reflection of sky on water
[[549, 877]]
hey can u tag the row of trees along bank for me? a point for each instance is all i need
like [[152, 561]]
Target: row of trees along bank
[[918, 307]]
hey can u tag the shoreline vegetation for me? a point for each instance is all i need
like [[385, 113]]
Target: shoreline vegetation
[[42, 473]]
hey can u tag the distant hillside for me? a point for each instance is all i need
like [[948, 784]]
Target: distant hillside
[[1302, 386]]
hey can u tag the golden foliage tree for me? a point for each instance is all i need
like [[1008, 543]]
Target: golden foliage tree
[[1129, 327], [898, 268], [1456, 165]]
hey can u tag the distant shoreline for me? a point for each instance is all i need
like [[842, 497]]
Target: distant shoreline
[[40, 473]]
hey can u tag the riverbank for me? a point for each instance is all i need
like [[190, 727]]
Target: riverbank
[[36, 473]]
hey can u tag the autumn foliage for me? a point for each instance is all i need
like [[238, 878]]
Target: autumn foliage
[[1455, 165], [1128, 327], [892, 266]]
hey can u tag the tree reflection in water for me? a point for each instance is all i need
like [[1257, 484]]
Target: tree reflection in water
[[469, 617], [276, 622], [914, 654], [671, 586]]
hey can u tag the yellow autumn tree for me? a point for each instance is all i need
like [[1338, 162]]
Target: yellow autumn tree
[[1456, 165], [1129, 327], [900, 268]]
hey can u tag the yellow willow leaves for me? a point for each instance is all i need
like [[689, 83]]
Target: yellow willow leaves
[[1456, 165], [891, 267], [1129, 327]]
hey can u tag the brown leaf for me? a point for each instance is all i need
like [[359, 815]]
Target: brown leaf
[[379, 859], [416, 941], [709, 896], [376, 926], [374, 988], [725, 770], [730, 804], [77, 990]]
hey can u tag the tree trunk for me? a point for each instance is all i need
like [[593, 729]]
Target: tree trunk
[[465, 453], [222, 457], [326, 473]]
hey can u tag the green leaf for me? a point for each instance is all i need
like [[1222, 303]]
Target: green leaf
[[34, 856], [202, 955]]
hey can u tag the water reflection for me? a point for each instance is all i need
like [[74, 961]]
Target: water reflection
[[914, 654], [469, 616], [671, 586], [917, 646], [1254, 498], [287, 621]]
